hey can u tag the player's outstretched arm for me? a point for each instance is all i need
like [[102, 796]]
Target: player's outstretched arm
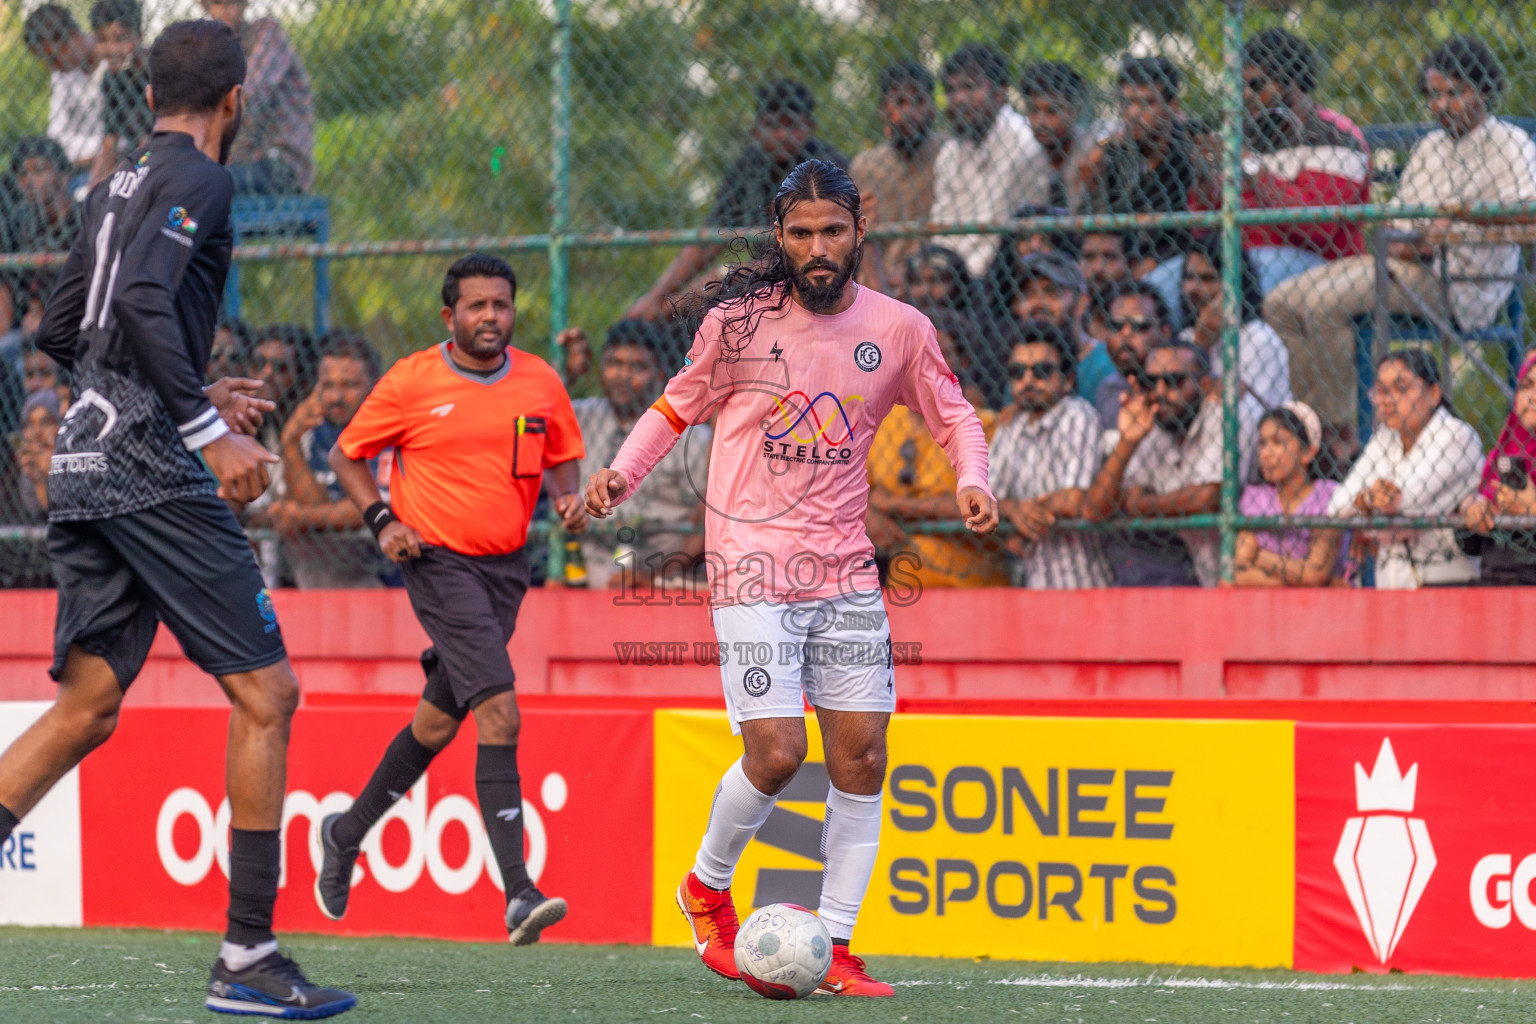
[[978, 509], [397, 540], [603, 490]]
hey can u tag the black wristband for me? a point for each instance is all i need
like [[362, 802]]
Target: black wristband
[[376, 517]]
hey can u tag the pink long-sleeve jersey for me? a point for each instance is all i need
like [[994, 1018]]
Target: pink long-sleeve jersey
[[798, 404]]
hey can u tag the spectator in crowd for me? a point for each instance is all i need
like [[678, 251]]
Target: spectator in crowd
[[1042, 461], [321, 529], [964, 347], [1472, 157], [1509, 489], [126, 117], [1138, 322], [1055, 99], [895, 179], [1264, 366], [281, 358], [1016, 246], [911, 481], [993, 163], [1300, 154], [39, 372], [1290, 438], [1108, 260], [75, 101], [1149, 163], [1049, 287], [659, 539], [1422, 461], [231, 351], [274, 154], [14, 299], [1165, 463], [783, 136], [936, 278], [40, 419], [46, 218]]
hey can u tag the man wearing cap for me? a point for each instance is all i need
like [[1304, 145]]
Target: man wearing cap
[[783, 137], [1049, 286]]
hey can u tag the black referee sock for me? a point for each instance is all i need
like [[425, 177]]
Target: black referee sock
[[499, 789], [8, 823], [255, 862], [404, 760]]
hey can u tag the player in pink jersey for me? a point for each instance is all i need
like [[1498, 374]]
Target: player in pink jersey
[[799, 366]]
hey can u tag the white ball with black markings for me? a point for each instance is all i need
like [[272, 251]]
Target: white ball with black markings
[[783, 951]]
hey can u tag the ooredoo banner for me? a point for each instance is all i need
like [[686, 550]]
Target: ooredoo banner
[[1058, 839], [1416, 848], [156, 825]]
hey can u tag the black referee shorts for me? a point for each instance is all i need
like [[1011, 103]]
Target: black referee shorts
[[468, 606], [185, 563]]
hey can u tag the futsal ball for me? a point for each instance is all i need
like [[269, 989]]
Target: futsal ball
[[783, 951]]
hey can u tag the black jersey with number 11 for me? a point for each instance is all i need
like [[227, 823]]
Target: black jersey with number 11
[[132, 316]]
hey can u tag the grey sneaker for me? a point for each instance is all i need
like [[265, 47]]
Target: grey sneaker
[[530, 914], [273, 987], [334, 882]]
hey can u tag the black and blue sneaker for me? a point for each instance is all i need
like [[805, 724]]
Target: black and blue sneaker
[[273, 986], [333, 883], [529, 914]]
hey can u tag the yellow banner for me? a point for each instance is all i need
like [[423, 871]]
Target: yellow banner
[[1044, 839]]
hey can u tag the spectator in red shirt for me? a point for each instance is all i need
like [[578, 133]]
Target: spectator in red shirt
[[1297, 154]]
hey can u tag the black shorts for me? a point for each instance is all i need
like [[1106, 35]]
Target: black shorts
[[185, 563], [468, 606]]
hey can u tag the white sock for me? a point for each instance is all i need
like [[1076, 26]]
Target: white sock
[[738, 812], [237, 957], [850, 839]]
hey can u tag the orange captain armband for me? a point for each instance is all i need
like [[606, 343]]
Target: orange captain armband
[[664, 407]]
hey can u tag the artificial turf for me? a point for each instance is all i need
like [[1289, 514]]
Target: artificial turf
[[68, 975]]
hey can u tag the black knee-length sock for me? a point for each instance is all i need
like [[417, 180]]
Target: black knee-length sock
[[499, 789], [403, 763]]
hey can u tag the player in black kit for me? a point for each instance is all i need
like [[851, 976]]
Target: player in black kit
[[138, 528]]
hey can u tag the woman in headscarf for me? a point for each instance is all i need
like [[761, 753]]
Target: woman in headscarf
[[40, 418], [1507, 489]]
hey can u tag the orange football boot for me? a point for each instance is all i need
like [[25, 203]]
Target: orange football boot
[[711, 918], [847, 977]]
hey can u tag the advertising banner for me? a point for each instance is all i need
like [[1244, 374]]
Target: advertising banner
[[40, 862], [1052, 839], [1416, 848], [156, 847]]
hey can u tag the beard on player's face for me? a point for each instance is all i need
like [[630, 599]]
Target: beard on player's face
[[820, 298], [231, 129], [481, 339]]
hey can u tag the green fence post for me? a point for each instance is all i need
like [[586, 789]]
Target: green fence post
[[1231, 277], [560, 212]]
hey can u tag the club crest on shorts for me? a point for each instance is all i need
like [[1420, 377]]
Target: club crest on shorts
[[866, 356], [756, 681]]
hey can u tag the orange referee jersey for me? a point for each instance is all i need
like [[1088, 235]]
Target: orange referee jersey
[[470, 451]]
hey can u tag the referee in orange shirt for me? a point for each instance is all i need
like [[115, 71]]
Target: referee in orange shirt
[[475, 426]]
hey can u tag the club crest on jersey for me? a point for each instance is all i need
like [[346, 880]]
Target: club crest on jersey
[[756, 682], [866, 356]]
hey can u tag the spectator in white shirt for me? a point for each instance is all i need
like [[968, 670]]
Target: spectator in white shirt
[[993, 163], [1422, 461], [1166, 463], [1042, 461], [75, 104], [1473, 157]]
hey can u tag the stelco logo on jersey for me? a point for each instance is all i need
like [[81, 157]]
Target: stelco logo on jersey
[[1038, 839], [814, 431]]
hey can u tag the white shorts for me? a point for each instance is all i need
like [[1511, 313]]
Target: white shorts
[[833, 652]]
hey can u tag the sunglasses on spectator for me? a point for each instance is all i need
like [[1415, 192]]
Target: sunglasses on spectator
[[1041, 371], [1137, 324], [1173, 381]]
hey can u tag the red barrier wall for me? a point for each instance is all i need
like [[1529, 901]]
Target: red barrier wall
[[1458, 655]]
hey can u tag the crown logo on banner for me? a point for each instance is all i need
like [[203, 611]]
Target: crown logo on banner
[[1386, 788]]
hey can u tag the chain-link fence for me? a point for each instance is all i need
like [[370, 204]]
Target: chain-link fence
[[1102, 207]]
